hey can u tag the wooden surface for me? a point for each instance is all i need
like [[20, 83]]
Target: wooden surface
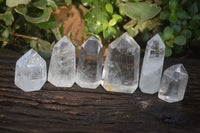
[[84, 110]]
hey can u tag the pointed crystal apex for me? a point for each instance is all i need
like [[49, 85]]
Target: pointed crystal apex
[[121, 67], [62, 64], [90, 64], [156, 41], [152, 65], [173, 84], [124, 41], [30, 71]]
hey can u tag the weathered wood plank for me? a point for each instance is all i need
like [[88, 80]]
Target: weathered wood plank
[[84, 110]]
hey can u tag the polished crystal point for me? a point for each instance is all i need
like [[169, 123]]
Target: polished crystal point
[[30, 72], [89, 71], [121, 67], [62, 66], [152, 65], [173, 84]]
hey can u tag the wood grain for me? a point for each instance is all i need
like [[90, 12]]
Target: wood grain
[[85, 110]]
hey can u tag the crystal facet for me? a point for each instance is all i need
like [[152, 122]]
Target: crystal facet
[[121, 67], [89, 69], [173, 84], [152, 65], [62, 65], [30, 71]]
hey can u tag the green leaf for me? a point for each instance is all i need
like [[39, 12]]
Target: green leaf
[[109, 8], [182, 14], [172, 18], [68, 2], [169, 29], [180, 40], [176, 27], [21, 9], [193, 24], [141, 10], [173, 5], [52, 4], [43, 18], [112, 31], [196, 17], [102, 17], [117, 17], [41, 4], [85, 2], [1, 1], [57, 33], [164, 14], [13, 3], [122, 10], [168, 51], [94, 27], [106, 34], [105, 25], [52, 23], [187, 33], [5, 33], [130, 24], [132, 32], [193, 9], [112, 22], [7, 17]]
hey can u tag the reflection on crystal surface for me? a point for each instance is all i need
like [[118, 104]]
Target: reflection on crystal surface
[[89, 69], [62, 65], [30, 71], [173, 84], [121, 67], [152, 65]]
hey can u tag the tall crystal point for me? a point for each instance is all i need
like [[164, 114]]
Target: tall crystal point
[[152, 65], [30, 72], [121, 67], [89, 71], [173, 84], [62, 65]]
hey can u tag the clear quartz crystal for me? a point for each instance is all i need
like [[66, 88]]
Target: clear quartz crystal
[[63, 64], [152, 65], [89, 71], [173, 84], [121, 67], [30, 71]]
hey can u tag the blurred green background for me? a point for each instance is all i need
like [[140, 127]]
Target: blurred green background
[[39, 24]]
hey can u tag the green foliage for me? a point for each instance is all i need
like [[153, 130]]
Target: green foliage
[[109, 18], [31, 20], [181, 21]]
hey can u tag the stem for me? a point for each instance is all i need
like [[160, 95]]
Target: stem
[[24, 36]]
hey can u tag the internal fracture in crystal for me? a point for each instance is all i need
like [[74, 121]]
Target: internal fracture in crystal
[[173, 84], [89, 71], [121, 67], [152, 65], [62, 66], [30, 72]]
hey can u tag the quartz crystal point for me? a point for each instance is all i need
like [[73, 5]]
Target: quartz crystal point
[[121, 67], [152, 65], [89, 71], [30, 72], [173, 84], [63, 64]]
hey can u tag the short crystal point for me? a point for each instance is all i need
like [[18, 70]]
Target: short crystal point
[[121, 67], [30, 72], [152, 65], [89, 69], [173, 84], [62, 66]]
